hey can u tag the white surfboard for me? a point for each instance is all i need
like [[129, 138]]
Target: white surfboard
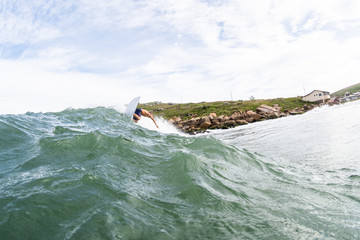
[[131, 107]]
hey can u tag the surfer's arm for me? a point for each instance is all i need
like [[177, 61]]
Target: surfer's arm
[[152, 118]]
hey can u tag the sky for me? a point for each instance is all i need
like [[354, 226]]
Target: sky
[[86, 53]]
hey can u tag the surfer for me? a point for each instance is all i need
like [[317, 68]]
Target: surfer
[[142, 112]]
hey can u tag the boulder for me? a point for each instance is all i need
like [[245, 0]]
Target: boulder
[[176, 119], [273, 115], [205, 123], [193, 121], [241, 122], [236, 116], [230, 123], [253, 115], [215, 122], [294, 113], [185, 128], [212, 116], [250, 112], [249, 119], [282, 114], [276, 106], [306, 107], [265, 109]]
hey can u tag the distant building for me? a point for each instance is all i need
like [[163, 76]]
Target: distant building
[[317, 96]]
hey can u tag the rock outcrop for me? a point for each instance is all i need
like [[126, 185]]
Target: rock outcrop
[[212, 121]]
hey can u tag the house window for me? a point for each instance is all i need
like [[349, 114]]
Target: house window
[[319, 94]]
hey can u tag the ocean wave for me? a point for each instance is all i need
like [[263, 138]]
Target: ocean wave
[[92, 173]]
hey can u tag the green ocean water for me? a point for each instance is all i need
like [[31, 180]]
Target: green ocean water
[[92, 174]]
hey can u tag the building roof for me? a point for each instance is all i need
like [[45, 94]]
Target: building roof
[[314, 91]]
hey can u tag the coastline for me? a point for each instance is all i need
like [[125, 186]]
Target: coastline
[[213, 121], [194, 118]]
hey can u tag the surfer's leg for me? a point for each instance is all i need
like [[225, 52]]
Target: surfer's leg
[[146, 113]]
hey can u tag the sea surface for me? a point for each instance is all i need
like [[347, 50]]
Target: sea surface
[[93, 174]]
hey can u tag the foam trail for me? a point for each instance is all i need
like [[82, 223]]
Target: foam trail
[[164, 125]]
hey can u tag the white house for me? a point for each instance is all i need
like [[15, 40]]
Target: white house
[[317, 96]]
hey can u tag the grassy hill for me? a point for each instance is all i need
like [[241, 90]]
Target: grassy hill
[[189, 110], [352, 89]]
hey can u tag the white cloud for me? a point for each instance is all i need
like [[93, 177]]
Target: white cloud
[[26, 86], [164, 50]]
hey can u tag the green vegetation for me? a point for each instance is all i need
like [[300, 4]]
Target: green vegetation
[[189, 110], [352, 89]]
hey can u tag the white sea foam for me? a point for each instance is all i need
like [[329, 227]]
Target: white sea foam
[[164, 125]]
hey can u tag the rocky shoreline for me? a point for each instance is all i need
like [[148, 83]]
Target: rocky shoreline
[[212, 121]]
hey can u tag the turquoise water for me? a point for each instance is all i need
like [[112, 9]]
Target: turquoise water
[[91, 174]]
